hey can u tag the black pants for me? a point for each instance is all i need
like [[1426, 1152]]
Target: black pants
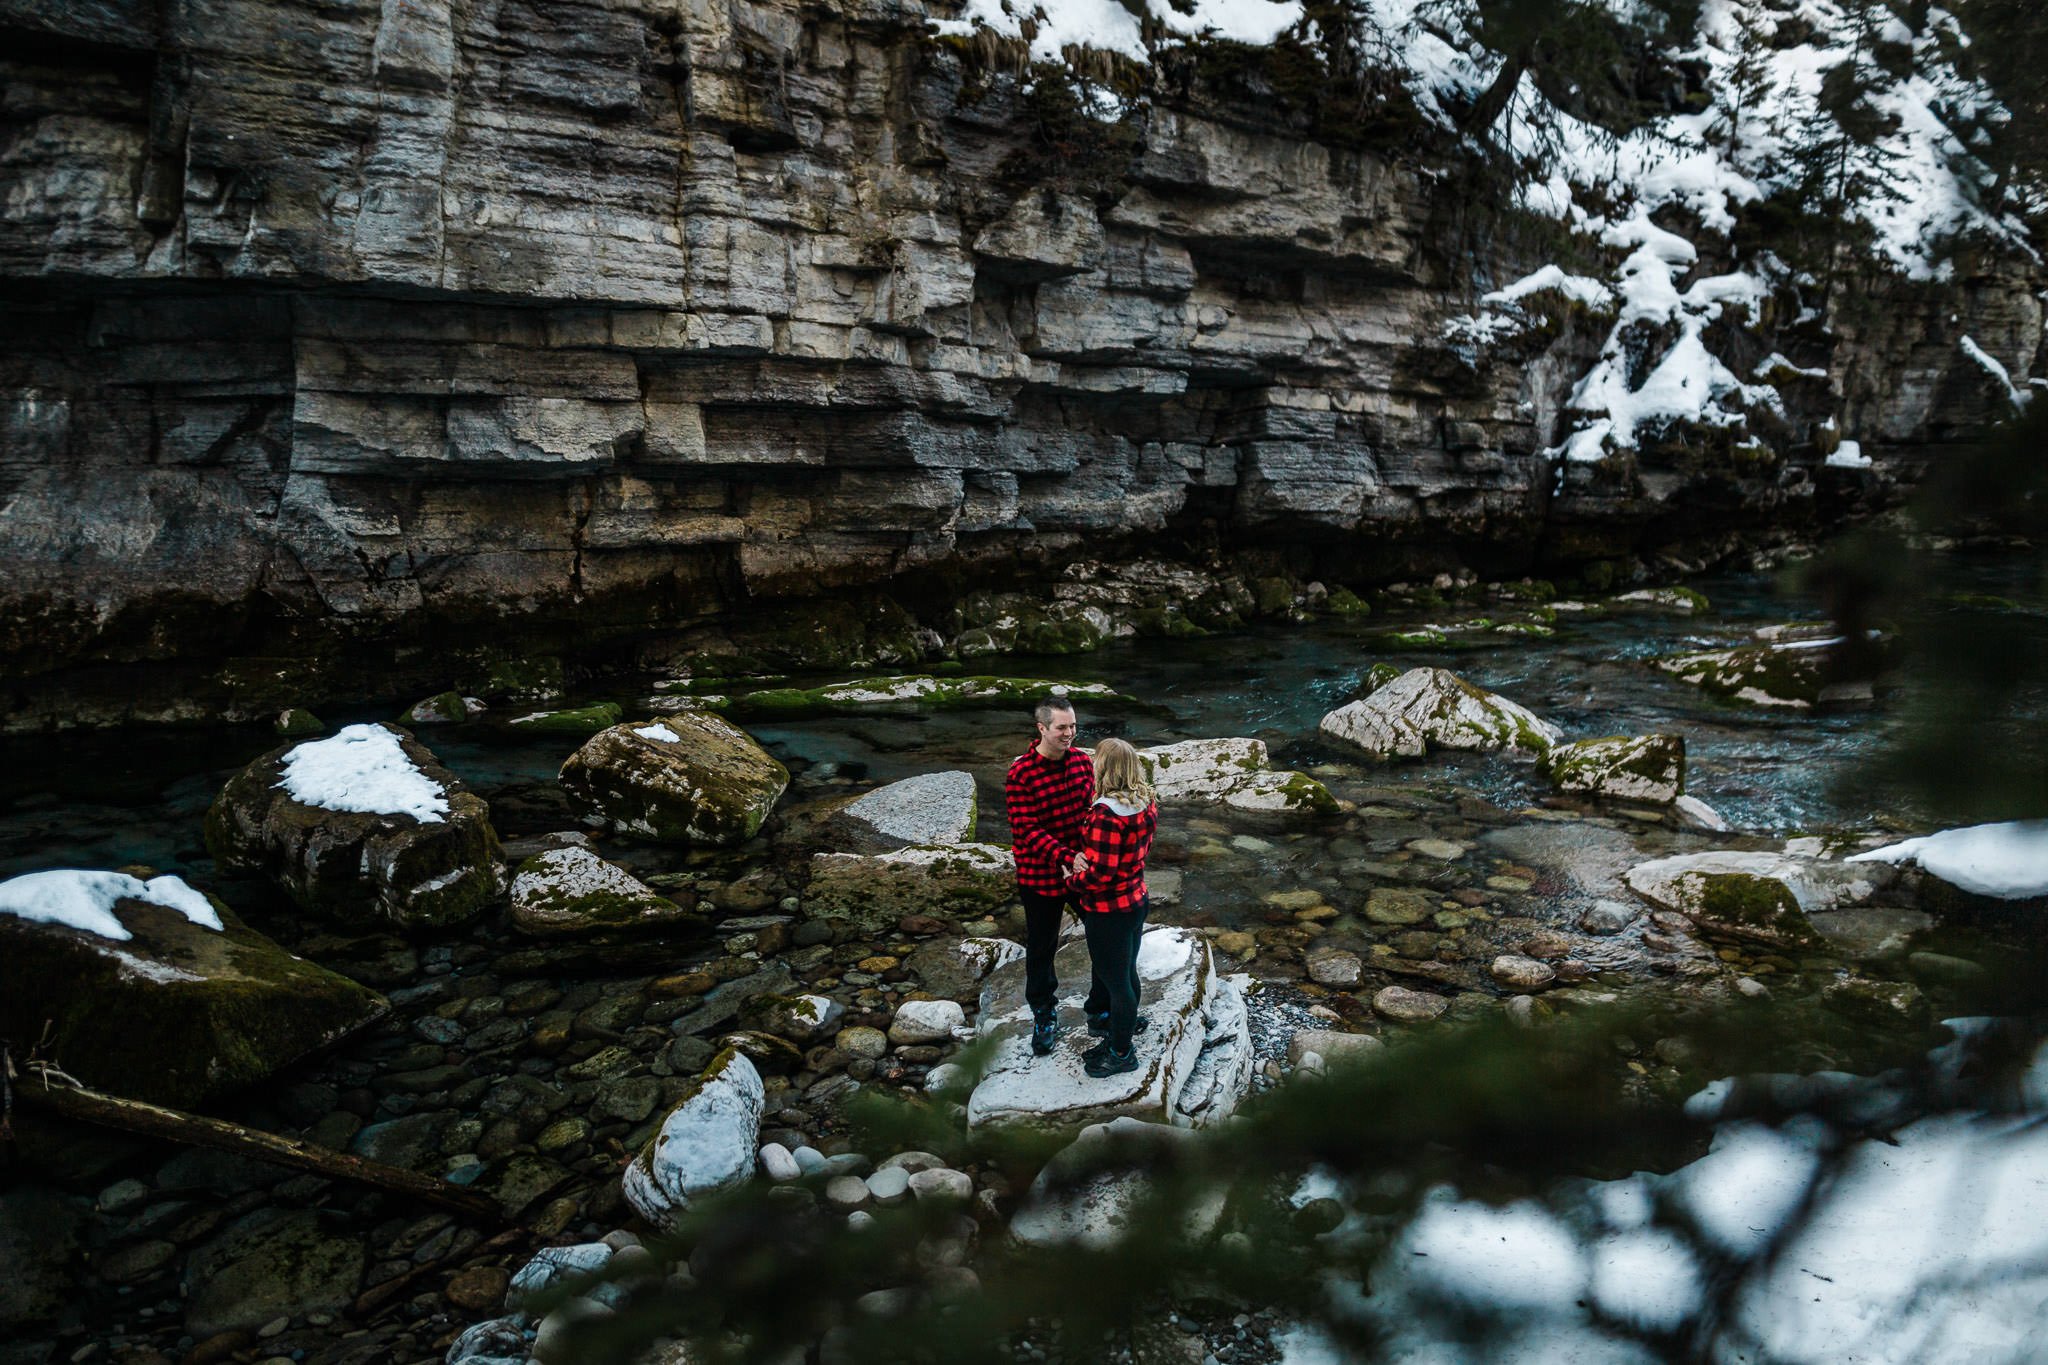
[[1042, 911], [1113, 950]]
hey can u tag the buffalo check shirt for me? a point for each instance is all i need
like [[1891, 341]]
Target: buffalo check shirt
[[1047, 800], [1116, 843]]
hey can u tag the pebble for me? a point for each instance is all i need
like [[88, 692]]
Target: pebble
[[912, 1162], [889, 1186], [1335, 968], [1408, 1006], [809, 1160], [1330, 1045], [122, 1196], [859, 1220], [847, 1193], [860, 1041], [1752, 988], [562, 1133], [478, 1288], [1522, 1011], [1397, 905], [926, 1021], [1503, 882], [276, 1327], [778, 1164], [1443, 850], [136, 1262], [1607, 917], [942, 1185]]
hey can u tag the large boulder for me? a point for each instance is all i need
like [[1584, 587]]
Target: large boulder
[[873, 890], [1764, 896], [158, 993], [1796, 674], [1433, 708], [2001, 862], [1235, 773], [363, 825], [573, 891], [1631, 768], [706, 1142], [689, 778], [930, 808], [1194, 1058]]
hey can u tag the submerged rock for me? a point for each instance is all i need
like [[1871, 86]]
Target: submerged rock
[[706, 1142], [1668, 601], [1794, 674], [691, 778], [363, 825], [1762, 896], [581, 720], [573, 891], [1087, 1199], [1428, 708], [874, 890], [914, 692], [274, 1263], [1234, 772], [174, 1011], [1194, 1058], [930, 808], [1639, 768]]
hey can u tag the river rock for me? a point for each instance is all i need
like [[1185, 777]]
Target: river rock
[[573, 891], [1087, 1196], [156, 1003], [706, 1142], [1335, 968], [1235, 773], [1395, 905], [1406, 1006], [365, 824], [1694, 813], [1761, 896], [1333, 1047], [579, 720], [873, 891], [691, 778], [926, 1021], [1639, 768], [799, 1018], [955, 968], [1790, 674], [912, 692], [551, 1266], [272, 1263], [1433, 707], [931, 808], [497, 1341], [1519, 973], [1194, 1059]]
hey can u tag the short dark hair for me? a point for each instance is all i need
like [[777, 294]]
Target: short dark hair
[[1043, 712]]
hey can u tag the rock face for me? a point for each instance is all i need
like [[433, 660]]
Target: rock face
[[690, 778], [573, 891], [960, 880], [421, 867], [1639, 768], [178, 1013], [1428, 708], [1194, 1058], [706, 1142], [606, 316]]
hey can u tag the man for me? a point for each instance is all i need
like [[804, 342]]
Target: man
[[1047, 794]]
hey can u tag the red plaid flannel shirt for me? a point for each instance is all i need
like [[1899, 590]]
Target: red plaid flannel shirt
[[1047, 800], [1116, 846]]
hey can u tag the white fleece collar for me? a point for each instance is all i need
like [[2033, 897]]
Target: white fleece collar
[[1117, 807]]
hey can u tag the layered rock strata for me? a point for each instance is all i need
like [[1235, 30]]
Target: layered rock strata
[[341, 329]]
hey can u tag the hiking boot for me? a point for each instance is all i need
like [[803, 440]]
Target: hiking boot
[[1098, 1024], [1044, 1029], [1111, 1062]]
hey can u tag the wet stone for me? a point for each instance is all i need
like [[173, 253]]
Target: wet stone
[[137, 1261], [1407, 1006], [630, 1100], [1392, 905], [1519, 973], [478, 1289], [1335, 968], [1607, 917]]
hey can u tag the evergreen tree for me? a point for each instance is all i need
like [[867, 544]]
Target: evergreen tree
[[2009, 50], [1750, 82]]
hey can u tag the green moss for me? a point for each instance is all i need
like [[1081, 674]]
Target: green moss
[[446, 708], [1745, 905], [499, 676], [1344, 602], [581, 720], [1398, 641], [295, 723], [1378, 676], [1302, 792]]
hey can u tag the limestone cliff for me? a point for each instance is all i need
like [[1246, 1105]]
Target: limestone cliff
[[363, 327]]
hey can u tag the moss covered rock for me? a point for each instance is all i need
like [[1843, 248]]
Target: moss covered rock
[[1630, 768], [296, 722], [1791, 674], [443, 708], [580, 720], [690, 778], [1427, 708], [1662, 601], [414, 869], [573, 891], [1762, 896], [1233, 772], [178, 1013], [909, 692], [871, 891]]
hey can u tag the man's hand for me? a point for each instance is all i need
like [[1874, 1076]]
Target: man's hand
[[1079, 866]]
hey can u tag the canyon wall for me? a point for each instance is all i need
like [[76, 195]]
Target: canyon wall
[[366, 328]]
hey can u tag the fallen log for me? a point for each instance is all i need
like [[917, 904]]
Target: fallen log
[[150, 1120]]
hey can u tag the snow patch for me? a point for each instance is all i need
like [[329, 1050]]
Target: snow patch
[[85, 900], [363, 769], [2006, 861]]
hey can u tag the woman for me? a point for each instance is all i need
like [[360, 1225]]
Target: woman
[[1108, 885]]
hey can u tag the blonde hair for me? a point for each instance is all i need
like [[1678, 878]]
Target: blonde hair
[[1120, 774]]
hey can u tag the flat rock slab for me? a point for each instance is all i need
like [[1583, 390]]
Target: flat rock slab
[[573, 891], [1194, 1059], [1235, 773], [930, 808], [873, 890]]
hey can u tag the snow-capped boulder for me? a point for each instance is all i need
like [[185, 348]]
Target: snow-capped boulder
[[1194, 1058], [1429, 708], [1762, 896], [872, 890], [365, 824], [2007, 861], [1235, 772], [1795, 674], [688, 778], [706, 1142], [930, 808], [158, 992], [1631, 768], [573, 891], [1088, 1195]]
